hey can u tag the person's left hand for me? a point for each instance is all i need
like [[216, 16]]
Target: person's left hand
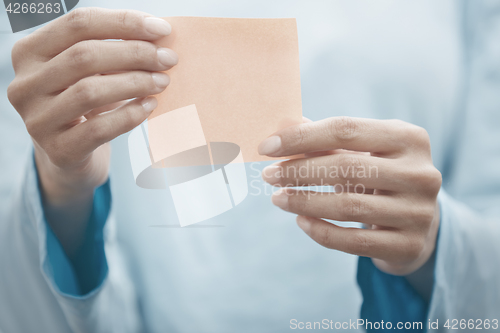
[[383, 176]]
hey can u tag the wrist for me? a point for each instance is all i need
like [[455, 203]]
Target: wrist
[[59, 186], [67, 202]]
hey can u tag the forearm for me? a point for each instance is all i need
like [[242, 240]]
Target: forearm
[[67, 209], [422, 280]]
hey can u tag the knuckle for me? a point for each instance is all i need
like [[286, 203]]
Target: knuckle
[[122, 18], [361, 244], [22, 91], [419, 135], [136, 80], [136, 52], [129, 117], [427, 215], [86, 92], [19, 47], [33, 126], [349, 164], [357, 206], [343, 129], [82, 53], [324, 236], [352, 208], [400, 129], [297, 203], [422, 217], [133, 116], [80, 18], [14, 92], [424, 178], [142, 82], [429, 179], [126, 119], [414, 248], [19, 50], [300, 134], [288, 174], [435, 180], [97, 131], [127, 20]]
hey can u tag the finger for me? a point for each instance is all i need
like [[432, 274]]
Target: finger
[[388, 245], [334, 151], [367, 135], [96, 91], [385, 211], [337, 169], [88, 58], [81, 140], [92, 23], [320, 153], [104, 108]]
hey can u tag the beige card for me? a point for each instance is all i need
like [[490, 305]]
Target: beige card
[[242, 75]]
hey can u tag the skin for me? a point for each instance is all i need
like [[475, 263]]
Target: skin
[[76, 90], [398, 205]]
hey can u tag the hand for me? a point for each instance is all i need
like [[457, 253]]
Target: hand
[[383, 176], [71, 88]]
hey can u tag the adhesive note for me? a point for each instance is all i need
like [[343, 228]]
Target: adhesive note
[[175, 132], [236, 83], [243, 76]]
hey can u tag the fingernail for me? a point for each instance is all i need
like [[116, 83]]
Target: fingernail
[[157, 26], [280, 199], [161, 79], [167, 57], [272, 174], [304, 224], [270, 145], [149, 104]]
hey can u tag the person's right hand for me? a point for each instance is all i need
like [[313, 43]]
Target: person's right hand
[[72, 87]]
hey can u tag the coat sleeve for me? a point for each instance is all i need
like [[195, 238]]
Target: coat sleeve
[[41, 291], [466, 286], [467, 274]]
